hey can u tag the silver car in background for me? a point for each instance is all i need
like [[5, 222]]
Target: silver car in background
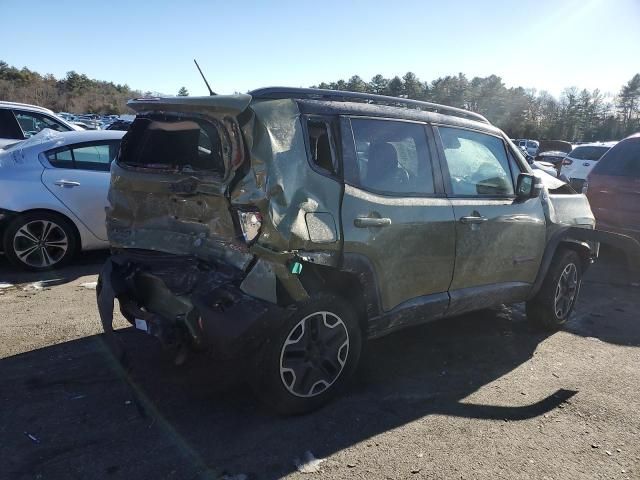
[[53, 192], [19, 121]]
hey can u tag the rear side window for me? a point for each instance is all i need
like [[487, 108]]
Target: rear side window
[[95, 156], [61, 158], [391, 157], [320, 150], [622, 160], [588, 153], [9, 127], [477, 163], [176, 144]]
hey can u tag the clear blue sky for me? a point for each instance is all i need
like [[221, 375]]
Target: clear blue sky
[[545, 44]]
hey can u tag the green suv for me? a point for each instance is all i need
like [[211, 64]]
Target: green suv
[[285, 227]]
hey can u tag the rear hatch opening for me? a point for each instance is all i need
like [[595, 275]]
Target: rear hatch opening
[[169, 187], [174, 143]]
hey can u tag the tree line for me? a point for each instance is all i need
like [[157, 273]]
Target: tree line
[[577, 115], [75, 93]]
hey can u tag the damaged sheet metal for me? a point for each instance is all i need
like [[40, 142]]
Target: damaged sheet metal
[[183, 302], [193, 213], [282, 184]]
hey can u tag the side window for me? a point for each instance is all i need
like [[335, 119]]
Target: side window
[[93, 157], [85, 157], [9, 127], [320, 145], [478, 163], [60, 158], [391, 157], [33, 122], [622, 160]]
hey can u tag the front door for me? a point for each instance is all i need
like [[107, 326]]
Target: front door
[[395, 213], [79, 178], [499, 240]]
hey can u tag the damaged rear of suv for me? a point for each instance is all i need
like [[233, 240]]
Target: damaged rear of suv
[[287, 226]]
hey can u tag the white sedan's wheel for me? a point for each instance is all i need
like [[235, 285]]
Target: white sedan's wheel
[[39, 241]]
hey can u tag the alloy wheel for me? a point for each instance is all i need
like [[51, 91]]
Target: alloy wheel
[[314, 354], [566, 291], [40, 243]]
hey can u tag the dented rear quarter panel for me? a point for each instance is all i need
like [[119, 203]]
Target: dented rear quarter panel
[[193, 214], [301, 207]]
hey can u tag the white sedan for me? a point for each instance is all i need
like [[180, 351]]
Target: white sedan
[[53, 194]]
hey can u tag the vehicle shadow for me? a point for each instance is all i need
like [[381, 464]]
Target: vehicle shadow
[[91, 418], [85, 263]]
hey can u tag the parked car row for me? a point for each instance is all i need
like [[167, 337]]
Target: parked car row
[[571, 163], [97, 122], [607, 172]]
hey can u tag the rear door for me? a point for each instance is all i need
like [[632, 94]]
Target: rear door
[[79, 178], [395, 214], [499, 240]]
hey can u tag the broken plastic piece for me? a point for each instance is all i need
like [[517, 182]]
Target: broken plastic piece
[[296, 268]]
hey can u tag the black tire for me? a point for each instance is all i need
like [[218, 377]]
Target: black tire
[[276, 384], [25, 233], [545, 310]]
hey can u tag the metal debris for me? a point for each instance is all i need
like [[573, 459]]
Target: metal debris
[[31, 437], [309, 463]]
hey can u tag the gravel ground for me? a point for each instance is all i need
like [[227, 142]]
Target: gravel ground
[[477, 396]]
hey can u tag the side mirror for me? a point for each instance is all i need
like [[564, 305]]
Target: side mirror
[[526, 186]]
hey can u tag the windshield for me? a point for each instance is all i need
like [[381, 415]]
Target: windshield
[[592, 153]]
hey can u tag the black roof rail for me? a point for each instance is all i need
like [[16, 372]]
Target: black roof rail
[[344, 96]]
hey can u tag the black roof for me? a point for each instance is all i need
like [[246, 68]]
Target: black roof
[[342, 96]]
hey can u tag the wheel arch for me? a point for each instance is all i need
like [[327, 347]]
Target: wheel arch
[[581, 248], [571, 238], [345, 284]]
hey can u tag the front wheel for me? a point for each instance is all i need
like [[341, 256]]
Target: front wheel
[[551, 307], [311, 357]]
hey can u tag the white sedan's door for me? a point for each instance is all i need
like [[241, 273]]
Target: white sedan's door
[[79, 178]]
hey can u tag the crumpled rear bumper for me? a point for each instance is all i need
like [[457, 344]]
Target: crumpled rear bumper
[[184, 304]]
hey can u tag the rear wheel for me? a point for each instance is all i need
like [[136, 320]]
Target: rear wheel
[[39, 241], [311, 358], [551, 307]]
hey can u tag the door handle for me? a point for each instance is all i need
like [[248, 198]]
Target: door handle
[[66, 183], [473, 220], [365, 222]]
